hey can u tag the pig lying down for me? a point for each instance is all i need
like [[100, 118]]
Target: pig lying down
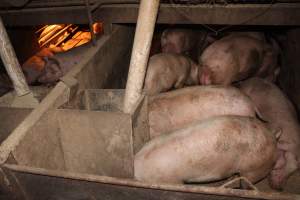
[[176, 109], [275, 107], [34, 66], [209, 150], [50, 64], [167, 71], [61, 63], [237, 57]]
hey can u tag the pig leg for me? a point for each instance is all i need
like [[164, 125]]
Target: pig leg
[[209, 176], [279, 176], [180, 82], [280, 162]]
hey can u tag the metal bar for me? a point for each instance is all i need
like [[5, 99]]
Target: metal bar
[[140, 53], [67, 36], [56, 35], [11, 63], [48, 34], [90, 17]]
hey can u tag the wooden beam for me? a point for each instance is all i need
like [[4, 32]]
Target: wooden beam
[[250, 14], [233, 14]]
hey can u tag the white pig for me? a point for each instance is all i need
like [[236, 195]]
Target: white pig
[[276, 108], [209, 150], [173, 110], [166, 71]]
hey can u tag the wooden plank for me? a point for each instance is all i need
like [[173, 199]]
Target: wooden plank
[[140, 125], [79, 141], [104, 99], [106, 65], [66, 185], [96, 142], [58, 96], [39, 92], [10, 118], [249, 14], [261, 14], [41, 146]]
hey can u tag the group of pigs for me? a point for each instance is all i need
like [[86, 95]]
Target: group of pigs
[[237, 122]]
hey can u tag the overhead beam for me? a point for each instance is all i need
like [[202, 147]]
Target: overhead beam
[[233, 14]]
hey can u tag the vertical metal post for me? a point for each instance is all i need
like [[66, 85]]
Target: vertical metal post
[[90, 17], [11, 63], [140, 53]]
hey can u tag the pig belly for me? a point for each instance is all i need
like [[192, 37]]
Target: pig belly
[[173, 110], [210, 150]]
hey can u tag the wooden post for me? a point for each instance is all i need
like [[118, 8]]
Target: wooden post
[[140, 53], [11, 63]]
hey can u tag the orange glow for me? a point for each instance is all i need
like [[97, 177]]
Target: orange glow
[[66, 36]]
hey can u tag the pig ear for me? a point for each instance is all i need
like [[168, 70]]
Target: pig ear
[[260, 116], [278, 133]]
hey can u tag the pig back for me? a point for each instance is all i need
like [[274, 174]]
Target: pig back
[[276, 108], [242, 144], [176, 109]]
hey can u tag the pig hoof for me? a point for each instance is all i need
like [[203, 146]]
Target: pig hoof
[[277, 180]]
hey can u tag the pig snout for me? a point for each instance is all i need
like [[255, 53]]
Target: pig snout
[[205, 77]]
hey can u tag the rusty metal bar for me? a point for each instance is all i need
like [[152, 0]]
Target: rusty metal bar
[[11, 63], [140, 53]]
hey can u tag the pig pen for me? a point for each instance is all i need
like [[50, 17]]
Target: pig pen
[[77, 144]]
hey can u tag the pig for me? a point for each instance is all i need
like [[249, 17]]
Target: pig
[[209, 150], [270, 67], [33, 67], [175, 109], [166, 71], [61, 63], [185, 41], [230, 59], [276, 108], [180, 41]]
